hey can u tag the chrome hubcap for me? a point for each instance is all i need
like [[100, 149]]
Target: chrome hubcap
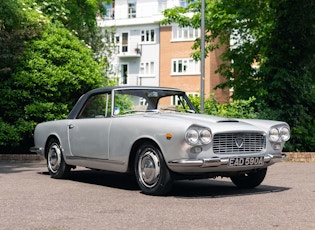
[[54, 158], [149, 169]]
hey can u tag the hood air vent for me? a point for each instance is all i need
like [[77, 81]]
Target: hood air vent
[[227, 121]]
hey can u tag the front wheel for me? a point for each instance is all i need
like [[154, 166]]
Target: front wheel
[[56, 165], [249, 180], [152, 174]]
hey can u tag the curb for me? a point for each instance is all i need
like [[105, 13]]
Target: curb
[[291, 157], [21, 157]]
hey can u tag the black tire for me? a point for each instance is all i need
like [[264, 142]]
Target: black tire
[[56, 165], [249, 180], [152, 174]]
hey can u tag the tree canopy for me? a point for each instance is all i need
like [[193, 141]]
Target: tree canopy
[[46, 64], [269, 56]]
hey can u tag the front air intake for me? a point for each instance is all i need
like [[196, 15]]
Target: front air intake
[[229, 143]]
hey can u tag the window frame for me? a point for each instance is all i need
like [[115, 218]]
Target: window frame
[[184, 33], [185, 66], [147, 68], [146, 36], [90, 104], [124, 78], [132, 8]]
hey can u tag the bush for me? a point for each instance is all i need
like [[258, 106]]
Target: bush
[[55, 70], [236, 109]]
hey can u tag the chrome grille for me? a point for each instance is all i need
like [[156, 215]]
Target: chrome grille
[[238, 143]]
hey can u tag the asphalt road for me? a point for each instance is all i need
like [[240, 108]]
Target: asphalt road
[[30, 199]]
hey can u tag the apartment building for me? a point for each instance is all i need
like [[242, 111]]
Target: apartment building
[[151, 54]]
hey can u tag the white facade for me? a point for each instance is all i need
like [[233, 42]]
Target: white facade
[[137, 29]]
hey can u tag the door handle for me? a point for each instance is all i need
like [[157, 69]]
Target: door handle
[[71, 126]]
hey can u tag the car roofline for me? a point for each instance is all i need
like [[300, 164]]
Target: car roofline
[[88, 94]]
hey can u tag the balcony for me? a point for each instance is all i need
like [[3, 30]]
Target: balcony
[[129, 51]]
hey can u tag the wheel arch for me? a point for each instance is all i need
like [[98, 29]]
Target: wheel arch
[[51, 136], [133, 151]]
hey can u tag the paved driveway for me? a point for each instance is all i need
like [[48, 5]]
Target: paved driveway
[[30, 199]]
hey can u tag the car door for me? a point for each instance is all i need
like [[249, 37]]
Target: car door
[[88, 134]]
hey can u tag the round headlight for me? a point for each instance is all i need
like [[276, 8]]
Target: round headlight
[[274, 135], [285, 134], [192, 136], [205, 136]]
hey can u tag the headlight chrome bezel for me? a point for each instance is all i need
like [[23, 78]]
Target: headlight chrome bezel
[[279, 134], [192, 136], [284, 133], [198, 136]]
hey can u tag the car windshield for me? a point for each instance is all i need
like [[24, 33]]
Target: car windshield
[[131, 101]]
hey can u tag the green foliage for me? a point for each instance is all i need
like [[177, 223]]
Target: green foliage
[[247, 23], [123, 103], [9, 134], [56, 69], [288, 74], [278, 36], [78, 16], [236, 109], [44, 67]]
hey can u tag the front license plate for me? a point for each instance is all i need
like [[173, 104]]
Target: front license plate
[[246, 161]]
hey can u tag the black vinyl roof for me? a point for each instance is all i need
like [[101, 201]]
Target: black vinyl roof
[[76, 109]]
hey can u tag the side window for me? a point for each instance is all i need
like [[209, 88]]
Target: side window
[[129, 104], [173, 103], [97, 106]]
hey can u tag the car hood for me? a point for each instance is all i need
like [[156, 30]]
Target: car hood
[[220, 124]]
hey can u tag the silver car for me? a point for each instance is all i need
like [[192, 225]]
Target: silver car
[[157, 134]]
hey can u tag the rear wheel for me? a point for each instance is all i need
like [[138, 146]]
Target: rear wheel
[[249, 180], [152, 174], [56, 165]]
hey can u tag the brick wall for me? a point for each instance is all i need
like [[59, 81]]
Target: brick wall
[[189, 83], [300, 156]]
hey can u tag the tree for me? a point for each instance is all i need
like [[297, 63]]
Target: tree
[[287, 74], [279, 38], [18, 24], [247, 23], [54, 72], [44, 68], [78, 16]]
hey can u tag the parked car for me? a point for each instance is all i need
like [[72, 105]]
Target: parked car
[[157, 134]]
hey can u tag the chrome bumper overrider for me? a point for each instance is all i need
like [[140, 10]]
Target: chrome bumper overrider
[[216, 161]]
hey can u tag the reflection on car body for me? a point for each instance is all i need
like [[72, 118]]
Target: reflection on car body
[[157, 134]]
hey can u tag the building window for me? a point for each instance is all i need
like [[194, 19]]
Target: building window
[[184, 33], [180, 101], [147, 36], [185, 66], [147, 68], [132, 8], [183, 3], [124, 73], [110, 11], [124, 42]]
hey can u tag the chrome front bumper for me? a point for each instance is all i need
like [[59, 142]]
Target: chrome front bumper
[[217, 161]]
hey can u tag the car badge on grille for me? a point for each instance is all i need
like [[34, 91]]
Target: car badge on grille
[[239, 142]]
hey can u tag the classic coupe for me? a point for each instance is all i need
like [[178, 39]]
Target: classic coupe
[[157, 134]]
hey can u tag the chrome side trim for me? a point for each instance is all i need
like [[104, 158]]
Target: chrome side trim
[[95, 159]]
